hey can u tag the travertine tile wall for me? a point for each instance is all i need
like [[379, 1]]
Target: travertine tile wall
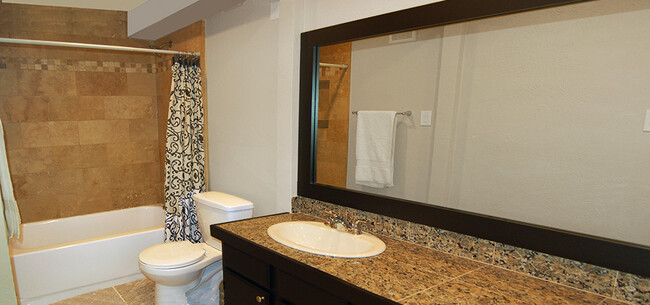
[[333, 115], [80, 125]]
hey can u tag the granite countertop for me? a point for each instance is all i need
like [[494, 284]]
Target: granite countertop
[[415, 275]]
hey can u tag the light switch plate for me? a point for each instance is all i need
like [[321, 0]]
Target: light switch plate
[[646, 125], [425, 118], [275, 10]]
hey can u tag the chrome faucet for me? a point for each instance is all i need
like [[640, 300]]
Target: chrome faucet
[[356, 230], [333, 220], [331, 216]]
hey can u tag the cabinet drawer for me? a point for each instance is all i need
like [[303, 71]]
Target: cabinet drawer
[[299, 292], [239, 291], [248, 266]]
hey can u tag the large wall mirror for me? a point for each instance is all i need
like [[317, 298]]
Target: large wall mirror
[[526, 127]]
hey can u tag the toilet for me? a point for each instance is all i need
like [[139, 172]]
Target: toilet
[[182, 269]]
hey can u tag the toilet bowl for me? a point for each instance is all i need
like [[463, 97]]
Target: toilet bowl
[[182, 268]]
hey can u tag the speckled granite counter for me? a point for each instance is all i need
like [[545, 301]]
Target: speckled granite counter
[[414, 275]]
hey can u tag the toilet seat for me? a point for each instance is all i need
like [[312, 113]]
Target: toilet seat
[[172, 255]]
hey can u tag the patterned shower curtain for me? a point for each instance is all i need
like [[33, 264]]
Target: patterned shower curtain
[[184, 153]]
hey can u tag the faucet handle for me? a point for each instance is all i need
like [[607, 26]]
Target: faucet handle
[[331, 216], [356, 230]]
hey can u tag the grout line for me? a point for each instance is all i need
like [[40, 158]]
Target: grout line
[[118, 293], [443, 282], [615, 284]]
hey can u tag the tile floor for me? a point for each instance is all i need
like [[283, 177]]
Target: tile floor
[[140, 292]]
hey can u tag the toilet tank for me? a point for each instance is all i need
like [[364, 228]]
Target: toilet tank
[[218, 207]]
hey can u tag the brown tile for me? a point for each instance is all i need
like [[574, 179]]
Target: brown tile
[[556, 269], [527, 288], [13, 137], [24, 108], [101, 83], [107, 296], [98, 180], [130, 107], [9, 81], [143, 173], [392, 279], [19, 182], [432, 261], [143, 130], [51, 83], [103, 131], [458, 293], [132, 152], [76, 108], [53, 182], [463, 245], [37, 209], [49, 134], [141, 292], [613, 302], [84, 203], [142, 84], [35, 160], [632, 288], [127, 196]]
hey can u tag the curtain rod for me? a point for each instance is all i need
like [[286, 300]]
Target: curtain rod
[[92, 46]]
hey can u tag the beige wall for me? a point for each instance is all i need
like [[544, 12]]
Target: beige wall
[[398, 77], [538, 117], [545, 119], [243, 83]]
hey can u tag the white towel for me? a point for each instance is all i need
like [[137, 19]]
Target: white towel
[[375, 148], [12, 216]]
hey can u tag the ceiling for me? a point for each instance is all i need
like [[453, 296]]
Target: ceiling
[[117, 5]]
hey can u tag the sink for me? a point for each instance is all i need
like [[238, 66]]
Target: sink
[[318, 238]]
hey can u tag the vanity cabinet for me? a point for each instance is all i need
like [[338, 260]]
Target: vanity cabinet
[[255, 275]]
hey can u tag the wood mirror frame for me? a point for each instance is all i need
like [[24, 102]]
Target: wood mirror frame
[[595, 250]]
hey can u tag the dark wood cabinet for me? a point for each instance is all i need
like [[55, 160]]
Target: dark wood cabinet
[[255, 275], [242, 292]]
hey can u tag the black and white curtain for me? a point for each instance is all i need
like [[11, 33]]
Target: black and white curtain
[[184, 153]]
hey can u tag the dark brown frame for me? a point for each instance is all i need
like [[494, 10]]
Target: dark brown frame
[[604, 252]]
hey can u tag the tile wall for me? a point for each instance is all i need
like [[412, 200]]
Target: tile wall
[[333, 115], [606, 282], [82, 127]]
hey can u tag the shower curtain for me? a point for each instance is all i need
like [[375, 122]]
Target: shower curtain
[[184, 152]]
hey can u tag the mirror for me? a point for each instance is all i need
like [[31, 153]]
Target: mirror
[[539, 116], [536, 120]]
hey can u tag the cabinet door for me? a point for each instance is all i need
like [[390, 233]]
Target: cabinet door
[[299, 292], [239, 291]]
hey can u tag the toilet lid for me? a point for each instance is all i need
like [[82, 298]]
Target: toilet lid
[[172, 255]]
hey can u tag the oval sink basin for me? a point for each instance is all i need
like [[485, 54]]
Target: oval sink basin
[[317, 238]]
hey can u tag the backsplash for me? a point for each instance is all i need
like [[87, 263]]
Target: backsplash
[[607, 282]]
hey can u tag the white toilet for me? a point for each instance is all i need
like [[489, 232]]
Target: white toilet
[[180, 268]]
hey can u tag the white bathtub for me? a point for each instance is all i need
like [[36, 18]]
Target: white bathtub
[[59, 258]]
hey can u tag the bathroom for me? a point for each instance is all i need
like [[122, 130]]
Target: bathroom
[[92, 141]]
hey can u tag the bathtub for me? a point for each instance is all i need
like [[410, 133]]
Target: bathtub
[[59, 258]]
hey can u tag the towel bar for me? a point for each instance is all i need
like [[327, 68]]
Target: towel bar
[[406, 113]]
